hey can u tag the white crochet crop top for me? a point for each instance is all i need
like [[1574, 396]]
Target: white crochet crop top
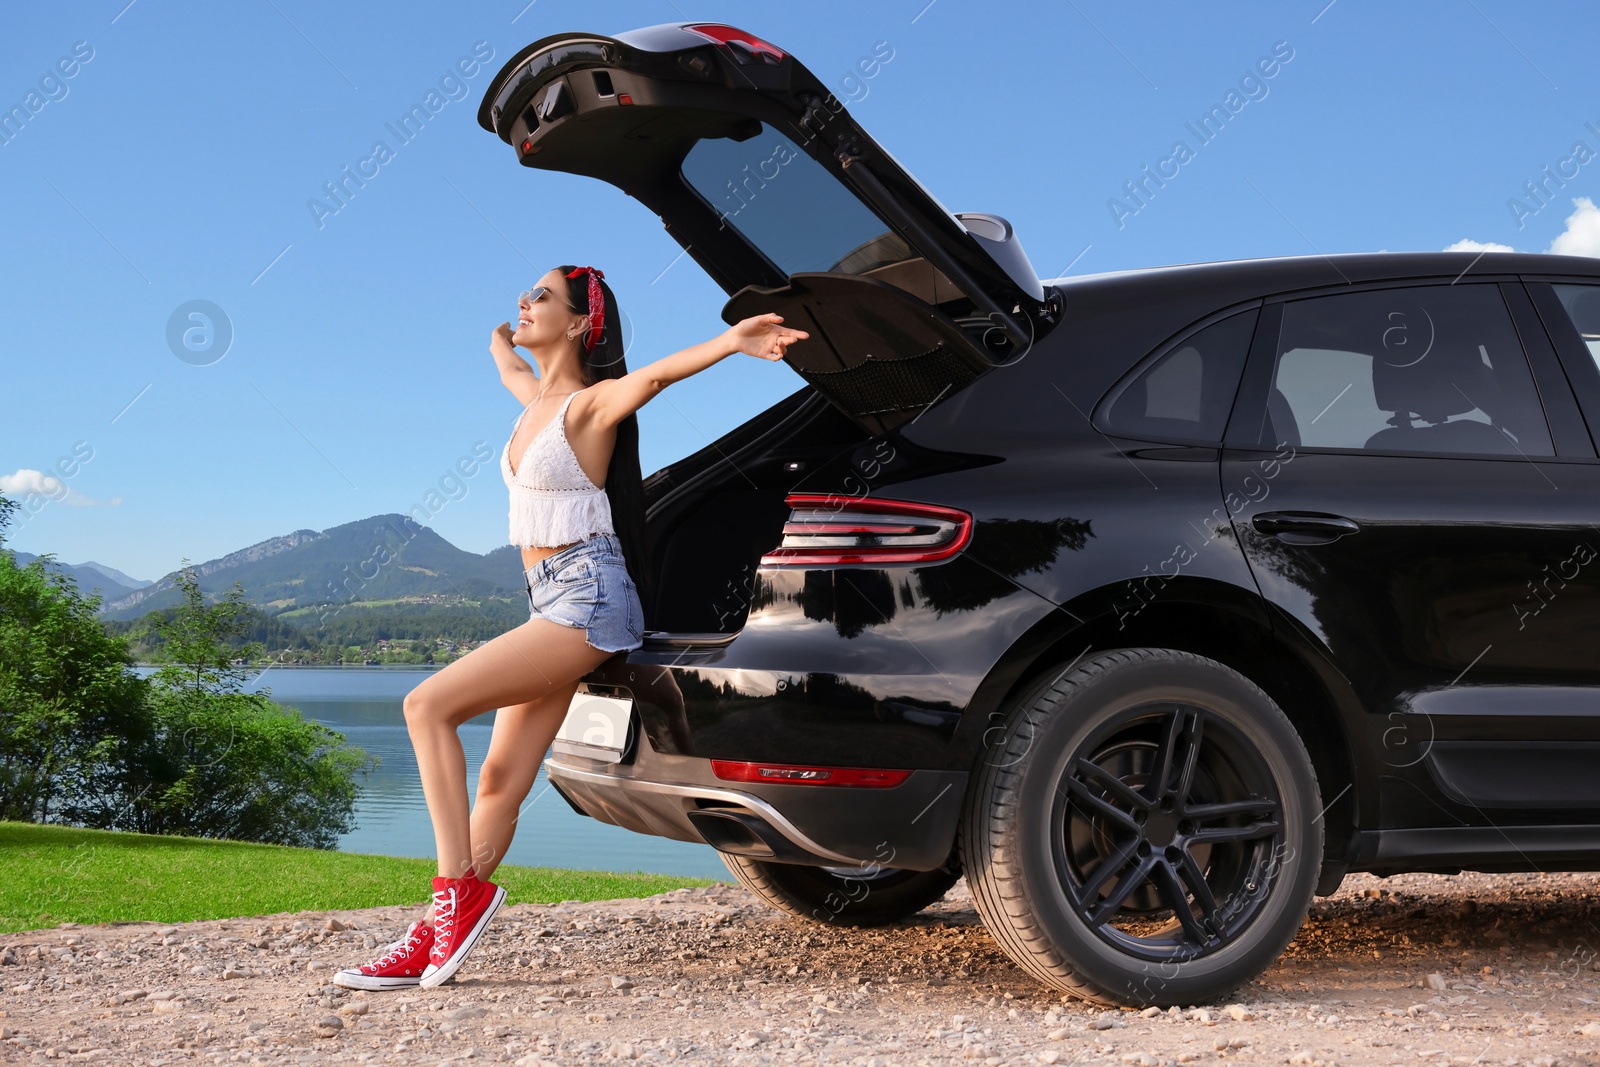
[[552, 501]]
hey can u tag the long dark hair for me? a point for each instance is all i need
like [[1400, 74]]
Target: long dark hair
[[624, 481]]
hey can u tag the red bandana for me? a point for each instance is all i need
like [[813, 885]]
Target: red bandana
[[597, 305]]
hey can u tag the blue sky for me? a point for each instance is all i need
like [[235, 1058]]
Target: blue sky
[[177, 162]]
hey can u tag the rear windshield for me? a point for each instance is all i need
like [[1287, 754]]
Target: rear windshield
[[788, 206]]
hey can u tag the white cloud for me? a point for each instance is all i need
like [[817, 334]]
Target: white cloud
[[1580, 238], [1582, 235], [27, 480], [1467, 244]]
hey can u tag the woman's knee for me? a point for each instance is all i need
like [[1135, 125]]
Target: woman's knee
[[498, 779], [422, 710]]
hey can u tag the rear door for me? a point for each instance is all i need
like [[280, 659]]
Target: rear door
[[1431, 527], [763, 177]]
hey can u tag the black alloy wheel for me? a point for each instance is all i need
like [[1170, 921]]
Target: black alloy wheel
[[1169, 828], [1147, 830]]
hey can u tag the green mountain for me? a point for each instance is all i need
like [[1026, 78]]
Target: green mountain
[[334, 583]]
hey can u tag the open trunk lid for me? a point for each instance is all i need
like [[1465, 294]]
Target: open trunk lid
[[763, 177]]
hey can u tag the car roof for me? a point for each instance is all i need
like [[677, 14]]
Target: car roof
[[1284, 273]]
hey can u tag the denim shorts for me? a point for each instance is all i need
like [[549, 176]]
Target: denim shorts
[[587, 586]]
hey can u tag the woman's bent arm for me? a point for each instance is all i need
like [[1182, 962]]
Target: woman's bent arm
[[516, 373]]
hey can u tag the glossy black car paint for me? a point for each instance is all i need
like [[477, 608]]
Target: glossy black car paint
[[1444, 686], [1431, 753]]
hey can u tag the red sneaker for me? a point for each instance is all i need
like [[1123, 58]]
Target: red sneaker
[[400, 967], [462, 908]]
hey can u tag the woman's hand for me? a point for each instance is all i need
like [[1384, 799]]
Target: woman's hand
[[500, 340], [760, 335]]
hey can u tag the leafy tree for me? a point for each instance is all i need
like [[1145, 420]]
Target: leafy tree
[[67, 698], [232, 765], [217, 761], [195, 647]]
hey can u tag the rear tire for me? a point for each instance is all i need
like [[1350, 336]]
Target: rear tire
[[843, 896], [1146, 831]]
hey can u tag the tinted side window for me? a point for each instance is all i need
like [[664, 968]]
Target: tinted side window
[[1583, 305], [1185, 395], [1434, 368]]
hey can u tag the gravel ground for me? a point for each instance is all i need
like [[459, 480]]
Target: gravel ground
[[1471, 969]]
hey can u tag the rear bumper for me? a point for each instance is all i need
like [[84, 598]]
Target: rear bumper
[[907, 826], [825, 672]]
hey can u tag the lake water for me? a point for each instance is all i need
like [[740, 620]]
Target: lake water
[[364, 704]]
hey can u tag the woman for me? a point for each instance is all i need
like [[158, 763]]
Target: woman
[[575, 449]]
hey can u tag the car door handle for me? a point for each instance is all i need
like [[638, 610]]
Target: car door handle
[[1304, 527]]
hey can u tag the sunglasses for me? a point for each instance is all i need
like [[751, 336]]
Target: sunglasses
[[537, 293]]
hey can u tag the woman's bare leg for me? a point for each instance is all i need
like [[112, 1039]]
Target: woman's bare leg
[[508, 774], [538, 660], [522, 735]]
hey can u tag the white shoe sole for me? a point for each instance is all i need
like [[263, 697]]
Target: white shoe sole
[[433, 976], [357, 980]]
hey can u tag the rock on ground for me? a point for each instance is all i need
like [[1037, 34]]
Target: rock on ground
[[1428, 969]]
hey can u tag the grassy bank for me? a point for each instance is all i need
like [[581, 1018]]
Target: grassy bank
[[56, 874]]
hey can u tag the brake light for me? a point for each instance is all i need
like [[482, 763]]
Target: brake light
[[747, 47], [876, 777], [825, 529]]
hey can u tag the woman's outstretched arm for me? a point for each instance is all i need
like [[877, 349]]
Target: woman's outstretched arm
[[614, 399]]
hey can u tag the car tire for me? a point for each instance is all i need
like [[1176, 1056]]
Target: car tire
[[1076, 844], [843, 896]]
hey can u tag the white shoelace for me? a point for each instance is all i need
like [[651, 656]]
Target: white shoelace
[[399, 948], [444, 912]]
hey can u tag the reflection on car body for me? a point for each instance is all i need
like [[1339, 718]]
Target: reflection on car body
[[1154, 602]]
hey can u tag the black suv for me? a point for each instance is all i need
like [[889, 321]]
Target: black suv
[[1154, 601]]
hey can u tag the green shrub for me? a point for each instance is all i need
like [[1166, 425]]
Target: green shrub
[[66, 694], [85, 741], [215, 761], [228, 765]]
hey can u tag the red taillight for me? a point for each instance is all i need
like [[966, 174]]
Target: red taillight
[[798, 774], [745, 45], [527, 146], [827, 530]]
